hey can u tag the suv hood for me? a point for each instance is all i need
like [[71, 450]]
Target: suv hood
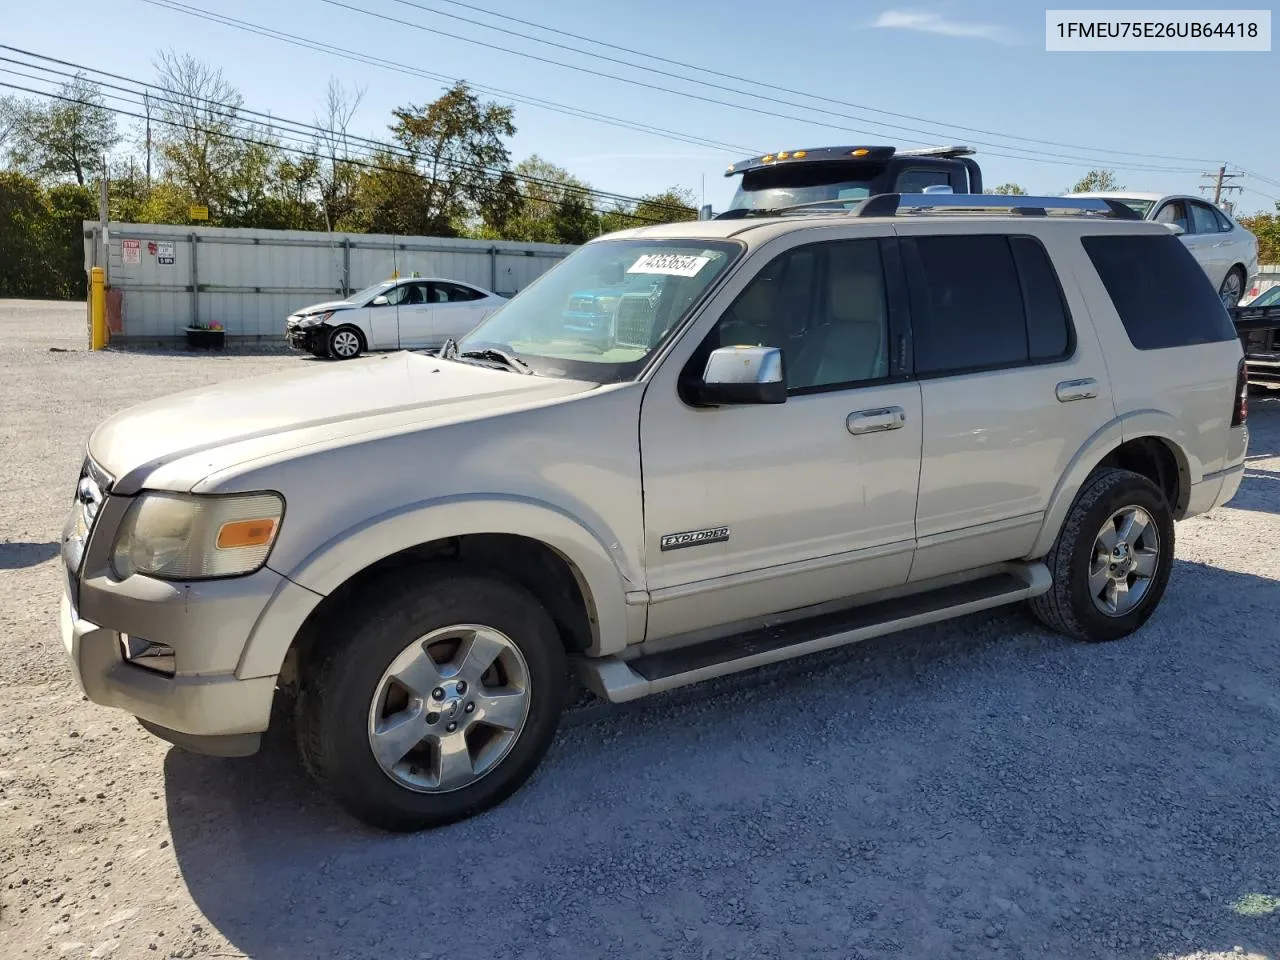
[[285, 410]]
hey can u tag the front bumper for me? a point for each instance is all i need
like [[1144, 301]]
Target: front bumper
[[310, 339], [219, 714]]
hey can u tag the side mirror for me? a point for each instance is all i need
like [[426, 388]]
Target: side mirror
[[1175, 228], [379, 301], [743, 375]]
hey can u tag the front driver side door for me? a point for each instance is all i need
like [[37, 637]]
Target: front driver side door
[[413, 311], [813, 499]]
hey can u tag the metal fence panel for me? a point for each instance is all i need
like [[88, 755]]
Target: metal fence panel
[[248, 280]]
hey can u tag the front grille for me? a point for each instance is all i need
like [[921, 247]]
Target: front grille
[[634, 326], [582, 304]]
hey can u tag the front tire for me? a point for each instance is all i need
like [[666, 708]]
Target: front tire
[[433, 699], [1112, 559], [345, 343]]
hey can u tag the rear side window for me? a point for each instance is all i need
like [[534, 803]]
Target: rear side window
[[983, 302], [1159, 290]]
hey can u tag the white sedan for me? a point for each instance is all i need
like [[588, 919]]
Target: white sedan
[[407, 314], [1227, 251]]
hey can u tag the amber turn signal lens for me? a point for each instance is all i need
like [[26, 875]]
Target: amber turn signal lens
[[246, 533]]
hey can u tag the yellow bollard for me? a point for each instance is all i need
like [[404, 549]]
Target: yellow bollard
[[97, 308]]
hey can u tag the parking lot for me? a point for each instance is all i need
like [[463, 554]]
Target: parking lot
[[977, 788]]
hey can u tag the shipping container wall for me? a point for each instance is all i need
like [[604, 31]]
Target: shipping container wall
[[1266, 278], [248, 280]]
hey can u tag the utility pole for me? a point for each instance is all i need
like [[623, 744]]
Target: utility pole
[[1219, 183], [146, 101]]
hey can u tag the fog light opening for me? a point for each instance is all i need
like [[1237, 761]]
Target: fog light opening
[[157, 657]]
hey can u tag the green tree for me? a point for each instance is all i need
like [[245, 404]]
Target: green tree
[[337, 177], [1097, 181], [1266, 227], [455, 143], [24, 222], [62, 240], [392, 197], [1008, 189], [547, 205], [201, 138], [65, 137]]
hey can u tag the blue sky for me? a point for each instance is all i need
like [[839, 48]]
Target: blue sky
[[979, 65]]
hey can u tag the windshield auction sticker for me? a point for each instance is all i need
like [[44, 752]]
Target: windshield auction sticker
[[671, 264]]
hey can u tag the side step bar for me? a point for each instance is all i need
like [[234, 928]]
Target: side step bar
[[621, 680]]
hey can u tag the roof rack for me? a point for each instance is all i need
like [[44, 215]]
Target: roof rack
[[896, 204]]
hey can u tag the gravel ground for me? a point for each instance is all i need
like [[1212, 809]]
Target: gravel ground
[[977, 788]]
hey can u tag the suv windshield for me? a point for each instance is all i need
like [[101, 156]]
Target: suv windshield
[[600, 313], [775, 187]]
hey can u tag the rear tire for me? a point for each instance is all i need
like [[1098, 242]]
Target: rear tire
[[368, 683], [1232, 289], [1108, 578]]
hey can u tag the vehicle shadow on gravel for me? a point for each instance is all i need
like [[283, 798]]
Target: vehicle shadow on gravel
[[981, 786], [17, 556]]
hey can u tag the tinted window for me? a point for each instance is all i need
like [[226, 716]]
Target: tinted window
[[824, 306], [1202, 218], [1224, 225], [455, 293], [966, 303], [1048, 329], [1163, 297], [914, 181]]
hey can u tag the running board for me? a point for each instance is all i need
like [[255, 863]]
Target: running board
[[621, 680]]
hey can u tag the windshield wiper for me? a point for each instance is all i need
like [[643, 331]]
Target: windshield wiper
[[495, 355]]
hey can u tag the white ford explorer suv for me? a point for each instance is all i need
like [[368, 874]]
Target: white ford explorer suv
[[811, 428]]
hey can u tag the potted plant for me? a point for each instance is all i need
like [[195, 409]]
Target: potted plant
[[205, 336]]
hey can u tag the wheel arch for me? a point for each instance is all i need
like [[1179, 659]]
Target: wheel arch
[[1148, 443], [549, 553]]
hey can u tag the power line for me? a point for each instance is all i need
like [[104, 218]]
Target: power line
[[760, 83], [1062, 160], [362, 164], [328, 49], [230, 112]]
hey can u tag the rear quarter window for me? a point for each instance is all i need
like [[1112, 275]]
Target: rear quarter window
[[1159, 290]]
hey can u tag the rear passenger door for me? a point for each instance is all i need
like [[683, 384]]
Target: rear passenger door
[[456, 309], [1011, 390]]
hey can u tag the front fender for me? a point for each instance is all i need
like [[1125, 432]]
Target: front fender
[[597, 564], [1131, 426]]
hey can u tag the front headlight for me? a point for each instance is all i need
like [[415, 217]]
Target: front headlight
[[175, 536], [315, 320]]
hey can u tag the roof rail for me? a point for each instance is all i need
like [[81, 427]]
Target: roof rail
[[895, 204]]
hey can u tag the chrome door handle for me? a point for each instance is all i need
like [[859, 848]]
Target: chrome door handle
[[1069, 390], [875, 421]]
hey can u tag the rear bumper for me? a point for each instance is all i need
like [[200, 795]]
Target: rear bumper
[[1214, 490]]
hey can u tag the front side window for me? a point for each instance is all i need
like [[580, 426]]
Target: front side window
[[823, 305], [602, 312], [1175, 212]]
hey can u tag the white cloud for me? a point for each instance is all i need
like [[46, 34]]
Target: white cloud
[[936, 23]]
